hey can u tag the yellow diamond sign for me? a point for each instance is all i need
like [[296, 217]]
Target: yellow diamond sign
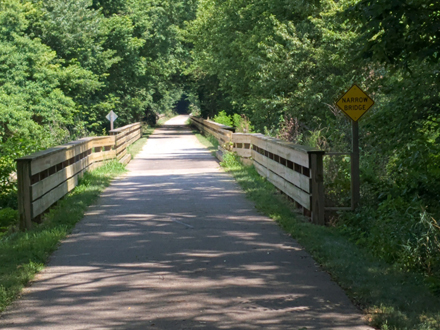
[[355, 103]]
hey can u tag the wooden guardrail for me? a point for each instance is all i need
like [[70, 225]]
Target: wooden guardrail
[[124, 137], [46, 176], [295, 170], [222, 133]]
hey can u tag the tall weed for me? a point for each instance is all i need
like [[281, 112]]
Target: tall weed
[[401, 233]]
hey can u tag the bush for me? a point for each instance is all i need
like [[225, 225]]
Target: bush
[[399, 231], [8, 217], [224, 119], [241, 123], [150, 118]]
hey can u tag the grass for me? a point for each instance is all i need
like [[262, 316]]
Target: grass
[[209, 141], [391, 299], [23, 254], [136, 147]]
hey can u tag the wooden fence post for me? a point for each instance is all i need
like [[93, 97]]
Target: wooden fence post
[[24, 193], [317, 185]]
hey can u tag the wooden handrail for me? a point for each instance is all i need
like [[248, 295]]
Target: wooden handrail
[[46, 176], [294, 169]]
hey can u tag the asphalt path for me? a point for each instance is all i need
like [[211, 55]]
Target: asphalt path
[[175, 245]]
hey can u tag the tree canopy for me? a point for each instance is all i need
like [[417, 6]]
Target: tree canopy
[[280, 64], [65, 64], [284, 64]]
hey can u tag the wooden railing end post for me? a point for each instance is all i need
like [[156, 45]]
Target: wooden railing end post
[[317, 185], [24, 193]]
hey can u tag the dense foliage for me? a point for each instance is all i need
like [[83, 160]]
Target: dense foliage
[[284, 63], [65, 64], [275, 67], [279, 65]]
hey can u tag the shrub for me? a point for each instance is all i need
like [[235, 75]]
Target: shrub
[[241, 123], [8, 217], [223, 118], [399, 231]]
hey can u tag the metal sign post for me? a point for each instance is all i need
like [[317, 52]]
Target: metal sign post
[[355, 171], [355, 103], [111, 116]]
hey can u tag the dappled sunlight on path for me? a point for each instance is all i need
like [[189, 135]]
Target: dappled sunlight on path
[[176, 245]]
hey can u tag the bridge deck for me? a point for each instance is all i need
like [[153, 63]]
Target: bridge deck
[[176, 245]]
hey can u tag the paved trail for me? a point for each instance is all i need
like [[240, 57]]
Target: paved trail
[[175, 245]]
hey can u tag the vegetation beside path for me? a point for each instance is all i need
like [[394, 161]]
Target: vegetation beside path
[[391, 298]]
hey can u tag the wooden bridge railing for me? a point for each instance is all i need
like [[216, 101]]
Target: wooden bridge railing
[[124, 137], [222, 133], [46, 176], [295, 170]]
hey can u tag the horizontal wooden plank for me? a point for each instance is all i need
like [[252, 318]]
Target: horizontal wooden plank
[[60, 154], [105, 155], [125, 128], [120, 135], [216, 130], [262, 170], [242, 138], [130, 130], [223, 133], [127, 137], [120, 142], [121, 154], [131, 136], [52, 181], [126, 134], [258, 140], [197, 123], [135, 138], [291, 190], [198, 126], [42, 204], [55, 150], [138, 136], [286, 187], [290, 175], [287, 151], [246, 153], [262, 160], [282, 149], [222, 137], [103, 141], [126, 159], [121, 148], [42, 187]]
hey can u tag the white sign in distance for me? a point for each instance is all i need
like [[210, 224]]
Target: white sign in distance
[[111, 116]]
